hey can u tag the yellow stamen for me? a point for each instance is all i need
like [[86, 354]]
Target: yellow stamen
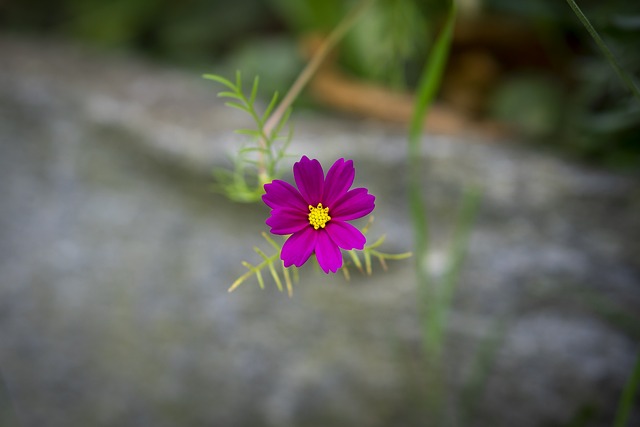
[[318, 216]]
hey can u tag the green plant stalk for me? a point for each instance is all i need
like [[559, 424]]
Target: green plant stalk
[[426, 92], [628, 81], [317, 59], [628, 396], [428, 85], [252, 271], [483, 361], [462, 232]]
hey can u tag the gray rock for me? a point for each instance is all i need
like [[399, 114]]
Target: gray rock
[[115, 259]]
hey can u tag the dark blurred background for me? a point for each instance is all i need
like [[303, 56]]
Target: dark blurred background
[[528, 65]]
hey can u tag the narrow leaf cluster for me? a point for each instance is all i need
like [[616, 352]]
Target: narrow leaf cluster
[[370, 251], [257, 163], [274, 264], [268, 261]]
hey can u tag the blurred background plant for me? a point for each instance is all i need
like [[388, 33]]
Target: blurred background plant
[[528, 65]]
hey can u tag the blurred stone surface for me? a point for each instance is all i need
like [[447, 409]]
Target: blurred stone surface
[[115, 259]]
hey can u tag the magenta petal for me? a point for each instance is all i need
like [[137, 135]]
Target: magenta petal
[[352, 205], [345, 235], [310, 180], [328, 253], [299, 247], [287, 221], [339, 179], [281, 194]]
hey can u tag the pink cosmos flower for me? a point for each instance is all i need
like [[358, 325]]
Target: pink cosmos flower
[[315, 214]]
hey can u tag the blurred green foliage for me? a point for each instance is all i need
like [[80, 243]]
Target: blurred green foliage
[[600, 118], [185, 31], [388, 45], [577, 104]]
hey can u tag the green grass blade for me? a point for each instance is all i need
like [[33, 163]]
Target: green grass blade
[[628, 396], [432, 74], [428, 85], [626, 79], [426, 92], [483, 361], [463, 227]]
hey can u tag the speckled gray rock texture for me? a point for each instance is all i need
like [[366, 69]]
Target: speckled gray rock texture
[[115, 258]]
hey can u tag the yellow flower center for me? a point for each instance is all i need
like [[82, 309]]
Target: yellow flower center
[[318, 216]]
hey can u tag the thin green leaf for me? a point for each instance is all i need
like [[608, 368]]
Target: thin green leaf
[[252, 150], [276, 277], [463, 227], [366, 227], [256, 271], [377, 243], [483, 360], [238, 81], [249, 132], [233, 95], [394, 257], [628, 396], [242, 278], [269, 263], [254, 91], [283, 120], [426, 92], [287, 280], [367, 262], [622, 74], [270, 107], [260, 279], [271, 242], [237, 106], [356, 260], [383, 263], [345, 272], [220, 80], [273, 271], [428, 85]]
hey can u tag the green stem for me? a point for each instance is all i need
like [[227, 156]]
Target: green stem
[[428, 299], [426, 92], [305, 76], [462, 233], [628, 396], [628, 81], [318, 57]]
